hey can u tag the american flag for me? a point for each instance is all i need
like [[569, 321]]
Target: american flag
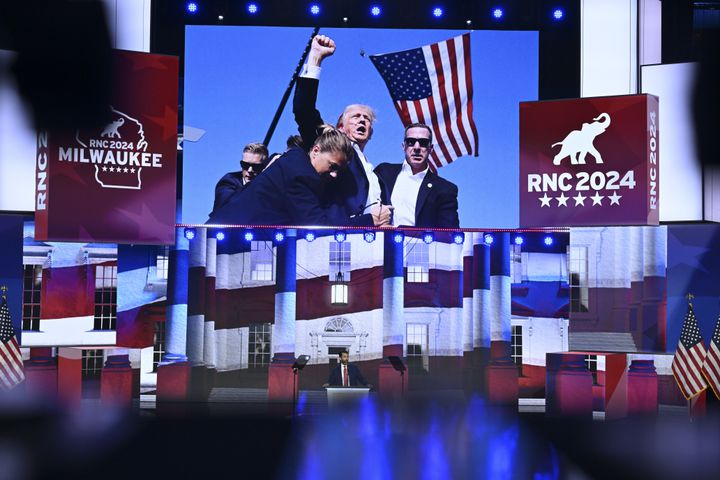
[[711, 367], [689, 357], [11, 364], [433, 85]]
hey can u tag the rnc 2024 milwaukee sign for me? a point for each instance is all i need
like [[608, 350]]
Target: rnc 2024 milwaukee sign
[[589, 161], [115, 183]]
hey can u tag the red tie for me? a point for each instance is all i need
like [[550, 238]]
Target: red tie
[[346, 380]]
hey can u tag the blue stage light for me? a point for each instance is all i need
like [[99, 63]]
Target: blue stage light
[[489, 239], [428, 237], [310, 236], [398, 237], [279, 236], [189, 233], [519, 240], [340, 236], [548, 240], [248, 236], [558, 14], [498, 13], [437, 12], [375, 11], [252, 8], [369, 237], [458, 238], [220, 236], [191, 7], [315, 9]]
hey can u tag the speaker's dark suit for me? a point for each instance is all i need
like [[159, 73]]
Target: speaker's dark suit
[[354, 376], [226, 187], [286, 193], [436, 205], [347, 195]]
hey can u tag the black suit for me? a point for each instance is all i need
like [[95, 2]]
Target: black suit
[[354, 376], [436, 205], [226, 187], [288, 192], [347, 195]]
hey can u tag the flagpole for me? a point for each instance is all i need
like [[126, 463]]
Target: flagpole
[[690, 297], [290, 86]]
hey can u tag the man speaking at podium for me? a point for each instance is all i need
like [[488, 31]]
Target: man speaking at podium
[[346, 374]]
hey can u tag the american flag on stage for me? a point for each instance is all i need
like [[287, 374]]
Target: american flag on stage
[[711, 367], [433, 85], [689, 357], [11, 364]]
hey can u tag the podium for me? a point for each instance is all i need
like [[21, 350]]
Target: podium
[[344, 395]]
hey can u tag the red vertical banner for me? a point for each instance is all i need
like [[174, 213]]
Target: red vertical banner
[[590, 161], [115, 183]]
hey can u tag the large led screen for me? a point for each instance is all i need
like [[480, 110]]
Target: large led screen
[[235, 78]]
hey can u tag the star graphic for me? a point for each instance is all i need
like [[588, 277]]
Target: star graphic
[[104, 168], [615, 199], [132, 170], [112, 169], [545, 200], [125, 170], [579, 199], [597, 199], [562, 199]]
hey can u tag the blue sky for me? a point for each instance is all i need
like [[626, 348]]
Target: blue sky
[[236, 76]]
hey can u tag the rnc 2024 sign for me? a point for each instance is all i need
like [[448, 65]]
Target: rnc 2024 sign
[[115, 183], [590, 161]]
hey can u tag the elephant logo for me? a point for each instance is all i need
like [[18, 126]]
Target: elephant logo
[[578, 143], [111, 130]]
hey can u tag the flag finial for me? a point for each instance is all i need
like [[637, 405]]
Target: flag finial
[[4, 290], [690, 297]]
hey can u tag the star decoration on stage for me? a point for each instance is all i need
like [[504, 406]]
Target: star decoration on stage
[[615, 199], [579, 199], [545, 200], [597, 199], [562, 200]]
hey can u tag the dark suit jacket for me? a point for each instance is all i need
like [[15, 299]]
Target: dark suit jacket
[[226, 187], [354, 375], [436, 205], [348, 193], [288, 192]]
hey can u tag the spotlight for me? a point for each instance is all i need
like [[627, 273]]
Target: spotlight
[[519, 240], [548, 240], [428, 237], [375, 11], [398, 237], [340, 236], [315, 9], [498, 13], [458, 238], [248, 235], [369, 237], [220, 236], [221, 18], [279, 236], [437, 12], [489, 239], [309, 236], [191, 7], [252, 8], [190, 233], [558, 14]]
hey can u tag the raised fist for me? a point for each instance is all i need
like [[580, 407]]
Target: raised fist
[[322, 46]]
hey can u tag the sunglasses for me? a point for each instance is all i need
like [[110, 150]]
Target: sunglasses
[[256, 167], [410, 142]]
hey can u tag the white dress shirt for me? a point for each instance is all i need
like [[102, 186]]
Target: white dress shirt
[[374, 192], [343, 367], [405, 194]]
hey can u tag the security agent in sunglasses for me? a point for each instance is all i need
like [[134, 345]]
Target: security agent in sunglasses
[[419, 196], [254, 160], [289, 191]]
